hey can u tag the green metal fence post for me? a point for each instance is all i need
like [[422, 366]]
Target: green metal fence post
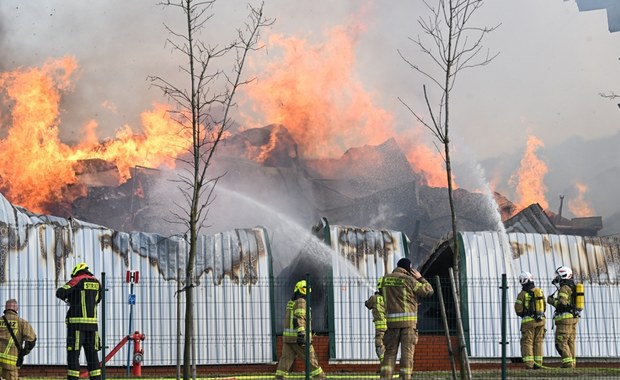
[[504, 323]]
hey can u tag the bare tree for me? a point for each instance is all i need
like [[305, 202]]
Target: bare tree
[[202, 109], [453, 46]]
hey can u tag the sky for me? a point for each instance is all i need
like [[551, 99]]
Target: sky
[[553, 62]]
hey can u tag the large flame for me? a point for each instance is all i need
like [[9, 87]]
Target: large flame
[[579, 206], [313, 93], [312, 90], [425, 161], [38, 170], [529, 178]]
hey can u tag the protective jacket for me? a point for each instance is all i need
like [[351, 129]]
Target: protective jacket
[[563, 303], [83, 293], [377, 306], [295, 320], [400, 293], [23, 332], [524, 305]]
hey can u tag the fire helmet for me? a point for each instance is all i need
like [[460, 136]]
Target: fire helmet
[[564, 272], [525, 277], [300, 287], [78, 268]]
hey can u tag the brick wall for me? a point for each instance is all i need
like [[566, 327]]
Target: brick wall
[[431, 355]]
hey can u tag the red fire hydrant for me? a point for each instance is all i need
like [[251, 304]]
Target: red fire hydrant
[[138, 354]]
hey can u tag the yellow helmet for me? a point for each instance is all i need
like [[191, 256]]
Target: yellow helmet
[[300, 287], [79, 267]]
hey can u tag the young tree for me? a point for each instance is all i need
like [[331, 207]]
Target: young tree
[[202, 108], [453, 46]]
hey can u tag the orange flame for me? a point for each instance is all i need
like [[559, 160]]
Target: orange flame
[[528, 180], [424, 160], [37, 169], [579, 206], [313, 92]]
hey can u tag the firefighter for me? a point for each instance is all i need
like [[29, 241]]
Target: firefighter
[[530, 306], [296, 325], [83, 293], [376, 305], [565, 318], [11, 351], [401, 290]]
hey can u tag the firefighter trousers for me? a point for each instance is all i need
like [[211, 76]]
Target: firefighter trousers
[[406, 338], [532, 339], [76, 339], [379, 346], [290, 351], [565, 335]]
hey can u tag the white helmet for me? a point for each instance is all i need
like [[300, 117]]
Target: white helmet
[[565, 273], [525, 277]]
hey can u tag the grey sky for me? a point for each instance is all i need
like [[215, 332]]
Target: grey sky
[[553, 62]]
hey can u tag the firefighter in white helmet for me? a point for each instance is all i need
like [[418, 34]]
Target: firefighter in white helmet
[[565, 318], [530, 306]]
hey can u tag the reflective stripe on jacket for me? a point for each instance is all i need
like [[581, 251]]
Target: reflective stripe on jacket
[[83, 293], [295, 320], [524, 306], [376, 305], [23, 332], [400, 293]]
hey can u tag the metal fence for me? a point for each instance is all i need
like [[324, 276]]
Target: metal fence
[[228, 331]]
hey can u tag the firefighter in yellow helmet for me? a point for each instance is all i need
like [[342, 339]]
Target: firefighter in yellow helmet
[[401, 290], [13, 347], [297, 325], [530, 306], [83, 293], [565, 318], [377, 306]]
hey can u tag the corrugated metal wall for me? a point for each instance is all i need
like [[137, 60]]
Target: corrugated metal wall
[[363, 257], [232, 290], [594, 261]]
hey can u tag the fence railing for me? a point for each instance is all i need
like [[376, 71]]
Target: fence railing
[[240, 323]]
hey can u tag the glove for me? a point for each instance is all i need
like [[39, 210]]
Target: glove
[[301, 339], [380, 352], [550, 300], [20, 360]]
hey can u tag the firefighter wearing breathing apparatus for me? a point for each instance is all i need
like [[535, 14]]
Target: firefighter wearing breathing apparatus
[[376, 305], [82, 293], [530, 306], [296, 325], [401, 290], [566, 315]]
